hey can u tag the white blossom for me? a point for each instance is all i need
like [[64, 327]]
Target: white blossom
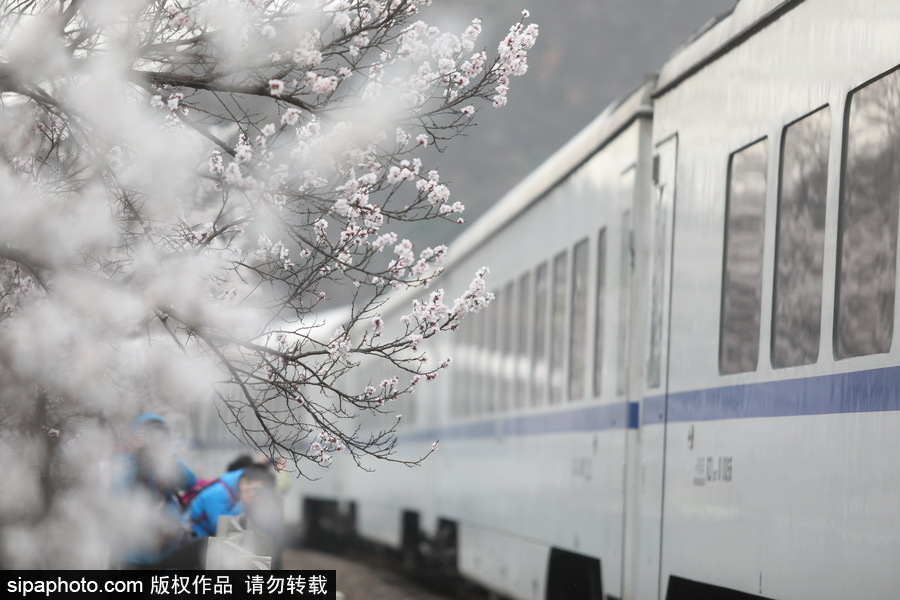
[[384, 240], [290, 117], [276, 87], [174, 100], [153, 250], [216, 164]]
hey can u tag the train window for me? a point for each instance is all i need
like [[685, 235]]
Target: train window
[[475, 357], [465, 377], [800, 242], [578, 323], [505, 387], [476, 387], [491, 347], [523, 327], [867, 227], [480, 355], [742, 278], [599, 303], [539, 359], [457, 374], [558, 328]]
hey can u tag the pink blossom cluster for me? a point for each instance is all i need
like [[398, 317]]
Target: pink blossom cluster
[[440, 60], [475, 298], [244, 161], [278, 252], [407, 266], [339, 347], [308, 51], [433, 315], [513, 59], [443, 64], [436, 192], [180, 18], [324, 446]]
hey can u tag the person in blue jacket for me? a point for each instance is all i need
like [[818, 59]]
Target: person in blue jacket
[[150, 475], [234, 493]]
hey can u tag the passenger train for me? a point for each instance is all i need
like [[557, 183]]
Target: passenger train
[[688, 384]]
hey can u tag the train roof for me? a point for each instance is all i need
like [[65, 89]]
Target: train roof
[[604, 128], [718, 38], [715, 39]]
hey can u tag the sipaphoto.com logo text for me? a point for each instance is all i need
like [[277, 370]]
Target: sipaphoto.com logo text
[[25, 586]]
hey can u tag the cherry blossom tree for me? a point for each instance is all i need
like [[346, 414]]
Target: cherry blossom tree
[[184, 187]]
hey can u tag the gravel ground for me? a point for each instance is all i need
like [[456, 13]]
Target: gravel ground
[[357, 581]]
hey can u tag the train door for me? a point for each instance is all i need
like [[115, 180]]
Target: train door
[[652, 413]]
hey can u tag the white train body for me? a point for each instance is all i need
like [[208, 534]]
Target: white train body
[[723, 408]]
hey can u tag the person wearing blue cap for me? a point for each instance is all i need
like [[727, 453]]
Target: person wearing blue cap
[[151, 475]]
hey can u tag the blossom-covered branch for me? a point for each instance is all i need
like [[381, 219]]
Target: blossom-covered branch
[[185, 183]]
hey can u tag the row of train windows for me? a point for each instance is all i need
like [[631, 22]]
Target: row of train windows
[[531, 347], [866, 245]]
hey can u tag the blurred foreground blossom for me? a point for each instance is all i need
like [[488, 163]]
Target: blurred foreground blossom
[[182, 185]]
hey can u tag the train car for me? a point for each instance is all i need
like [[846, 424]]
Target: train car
[[686, 386], [533, 417], [779, 157], [532, 429]]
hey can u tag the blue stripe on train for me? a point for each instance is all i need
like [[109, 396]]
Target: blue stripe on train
[[861, 391], [588, 418]]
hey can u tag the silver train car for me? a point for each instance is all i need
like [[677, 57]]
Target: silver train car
[[688, 385]]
